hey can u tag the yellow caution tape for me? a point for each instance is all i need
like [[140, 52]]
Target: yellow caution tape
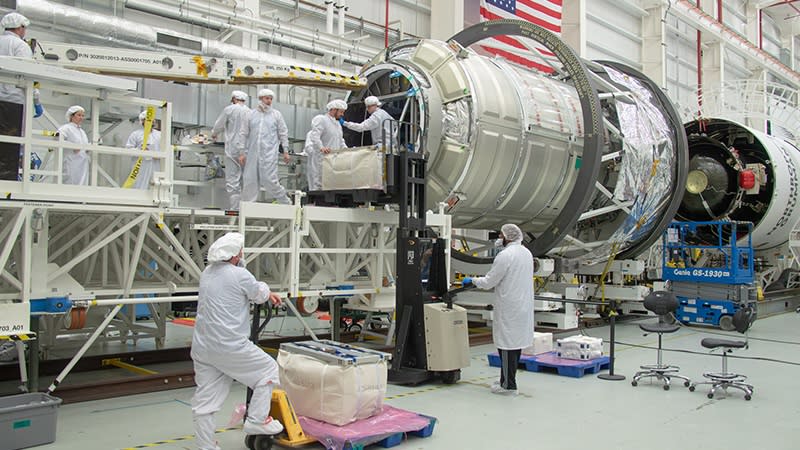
[[148, 127], [178, 439], [18, 337]]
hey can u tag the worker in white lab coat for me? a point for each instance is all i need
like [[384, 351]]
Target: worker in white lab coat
[[76, 161], [221, 350], [511, 276], [324, 137], [233, 122], [267, 138], [12, 98], [148, 165], [379, 123]]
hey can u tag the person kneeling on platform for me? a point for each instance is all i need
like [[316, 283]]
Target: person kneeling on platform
[[221, 350]]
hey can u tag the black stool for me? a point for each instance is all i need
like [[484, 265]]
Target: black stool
[[661, 303], [724, 380]]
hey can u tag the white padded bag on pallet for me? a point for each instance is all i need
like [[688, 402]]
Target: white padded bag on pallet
[[332, 393]]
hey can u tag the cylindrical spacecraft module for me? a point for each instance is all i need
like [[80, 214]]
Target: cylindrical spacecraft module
[[738, 173], [585, 157]]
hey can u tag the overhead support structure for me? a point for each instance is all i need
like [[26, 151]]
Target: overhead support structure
[[188, 68], [110, 30], [706, 23]]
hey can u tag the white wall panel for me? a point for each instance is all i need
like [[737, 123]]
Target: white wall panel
[[681, 40], [614, 32]]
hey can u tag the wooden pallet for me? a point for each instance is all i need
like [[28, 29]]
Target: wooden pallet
[[550, 362]]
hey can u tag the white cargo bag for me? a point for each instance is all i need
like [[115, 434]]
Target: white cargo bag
[[542, 343], [579, 347], [332, 393], [353, 168]]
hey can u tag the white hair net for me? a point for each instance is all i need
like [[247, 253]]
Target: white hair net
[[266, 93], [240, 95], [512, 232], [14, 20], [337, 104], [142, 116], [72, 110], [372, 100], [226, 247]]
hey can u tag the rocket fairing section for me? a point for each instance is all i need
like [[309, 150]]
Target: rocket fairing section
[[738, 173]]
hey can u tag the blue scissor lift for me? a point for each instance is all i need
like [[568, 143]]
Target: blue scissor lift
[[710, 269]]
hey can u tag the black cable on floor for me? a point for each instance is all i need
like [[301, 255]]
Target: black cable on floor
[[756, 358], [718, 333]]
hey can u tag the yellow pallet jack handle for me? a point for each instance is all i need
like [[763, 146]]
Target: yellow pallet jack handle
[[281, 409], [148, 127]]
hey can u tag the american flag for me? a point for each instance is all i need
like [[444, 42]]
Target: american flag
[[545, 13]]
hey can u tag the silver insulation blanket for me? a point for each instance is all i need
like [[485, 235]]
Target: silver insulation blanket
[[646, 172]]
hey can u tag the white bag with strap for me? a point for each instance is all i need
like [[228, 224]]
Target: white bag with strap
[[353, 168], [332, 393]]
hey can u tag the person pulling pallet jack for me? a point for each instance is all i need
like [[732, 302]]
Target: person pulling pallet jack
[[221, 350]]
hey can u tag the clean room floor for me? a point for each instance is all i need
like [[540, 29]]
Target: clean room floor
[[552, 412]]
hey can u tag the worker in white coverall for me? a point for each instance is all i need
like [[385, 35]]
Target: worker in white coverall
[[76, 161], [266, 133], [233, 121], [12, 98], [511, 276], [148, 165], [324, 137], [379, 123], [221, 350]]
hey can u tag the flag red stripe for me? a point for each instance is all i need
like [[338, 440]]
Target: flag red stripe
[[542, 23], [518, 59], [538, 21], [556, 2], [541, 8]]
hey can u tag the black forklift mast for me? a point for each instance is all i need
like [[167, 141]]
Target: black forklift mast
[[409, 361]]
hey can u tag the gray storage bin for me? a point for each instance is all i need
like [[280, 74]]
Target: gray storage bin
[[28, 420]]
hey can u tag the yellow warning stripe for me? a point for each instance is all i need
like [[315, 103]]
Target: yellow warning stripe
[[319, 73], [188, 437], [436, 388], [148, 127], [324, 72], [18, 337]]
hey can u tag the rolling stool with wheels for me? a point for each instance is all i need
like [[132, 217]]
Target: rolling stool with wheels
[[662, 303], [724, 380]]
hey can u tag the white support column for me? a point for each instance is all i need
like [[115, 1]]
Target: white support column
[[654, 47], [573, 25], [40, 241], [447, 18], [27, 256], [95, 140], [250, 40], [753, 26], [713, 64]]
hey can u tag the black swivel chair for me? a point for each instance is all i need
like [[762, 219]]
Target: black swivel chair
[[661, 303], [724, 380]]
